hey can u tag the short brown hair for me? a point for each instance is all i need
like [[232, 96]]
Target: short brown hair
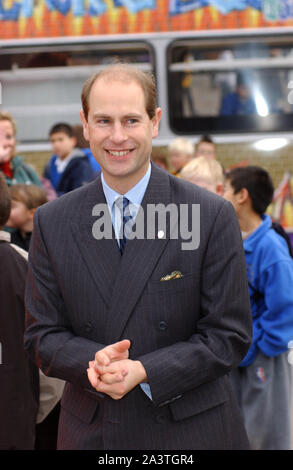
[[5, 202], [124, 72], [31, 195]]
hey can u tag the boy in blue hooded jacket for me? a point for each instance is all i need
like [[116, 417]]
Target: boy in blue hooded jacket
[[262, 380]]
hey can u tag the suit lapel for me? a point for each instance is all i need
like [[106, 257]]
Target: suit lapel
[[138, 261], [102, 257]]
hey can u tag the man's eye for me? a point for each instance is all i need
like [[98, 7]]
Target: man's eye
[[132, 121]]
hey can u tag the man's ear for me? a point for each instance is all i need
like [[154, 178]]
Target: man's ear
[[85, 125], [155, 121], [220, 189]]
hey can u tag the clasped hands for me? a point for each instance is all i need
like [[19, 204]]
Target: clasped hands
[[113, 373]]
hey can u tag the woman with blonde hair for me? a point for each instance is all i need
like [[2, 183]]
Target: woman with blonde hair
[[12, 166]]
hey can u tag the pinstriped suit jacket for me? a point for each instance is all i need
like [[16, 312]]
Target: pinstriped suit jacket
[[188, 333]]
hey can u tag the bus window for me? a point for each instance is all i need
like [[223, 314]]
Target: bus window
[[233, 85], [41, 85]]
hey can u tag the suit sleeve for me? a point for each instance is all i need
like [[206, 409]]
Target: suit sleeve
[[49, 339], [223, 332]]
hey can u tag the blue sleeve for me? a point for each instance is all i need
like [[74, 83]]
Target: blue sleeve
[[276, 321], [94, 164], [228, 105]]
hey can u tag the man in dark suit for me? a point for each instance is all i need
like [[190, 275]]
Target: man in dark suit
[[143, 330]]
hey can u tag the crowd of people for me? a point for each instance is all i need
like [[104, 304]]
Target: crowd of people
[[217, 337]]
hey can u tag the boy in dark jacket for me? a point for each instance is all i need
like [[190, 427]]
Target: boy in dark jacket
[[19, 381], [68, 168]]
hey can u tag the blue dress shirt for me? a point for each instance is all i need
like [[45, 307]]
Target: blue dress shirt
[[135, 196]]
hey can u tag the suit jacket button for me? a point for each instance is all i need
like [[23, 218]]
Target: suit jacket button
[[160, 418], [163, 325], [88, 327]]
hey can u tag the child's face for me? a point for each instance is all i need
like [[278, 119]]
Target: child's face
[[20, 216], [206, 149], [62, 144], [178, 160], [7, 141], [230, 195]]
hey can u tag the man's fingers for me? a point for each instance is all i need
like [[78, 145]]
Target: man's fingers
[[110, 374], [102, 357], [119, 350], [114, 351], [92, 376], [114, 378], [115, 391], [122, 346]]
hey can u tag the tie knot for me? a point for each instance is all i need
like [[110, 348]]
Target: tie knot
[[122, 203]]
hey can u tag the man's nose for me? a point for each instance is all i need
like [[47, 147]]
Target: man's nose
[[118, 133]]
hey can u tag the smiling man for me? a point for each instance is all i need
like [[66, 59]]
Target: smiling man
[[143, 331], [120, 136]]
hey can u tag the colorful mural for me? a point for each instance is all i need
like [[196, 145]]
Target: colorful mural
[[51, 18]]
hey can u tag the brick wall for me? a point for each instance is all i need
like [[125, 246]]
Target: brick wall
[[276, 163], [37, 159]]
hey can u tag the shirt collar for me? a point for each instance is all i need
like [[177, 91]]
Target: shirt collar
[[62, 164], [134, 195], [5, 236]]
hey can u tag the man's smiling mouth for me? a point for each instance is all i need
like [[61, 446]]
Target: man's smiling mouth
[[119, 153]]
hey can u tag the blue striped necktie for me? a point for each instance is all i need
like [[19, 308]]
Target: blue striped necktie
[[126, 216]]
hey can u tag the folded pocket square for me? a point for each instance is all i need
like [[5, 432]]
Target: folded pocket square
[[173, 275]]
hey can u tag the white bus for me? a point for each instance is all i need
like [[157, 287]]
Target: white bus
[[234, 84]]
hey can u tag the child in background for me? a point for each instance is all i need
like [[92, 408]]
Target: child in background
[[181, 151], [262, 380], [12, 166], [69, 167], [206, 173], [206, 147], [24, 201]]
